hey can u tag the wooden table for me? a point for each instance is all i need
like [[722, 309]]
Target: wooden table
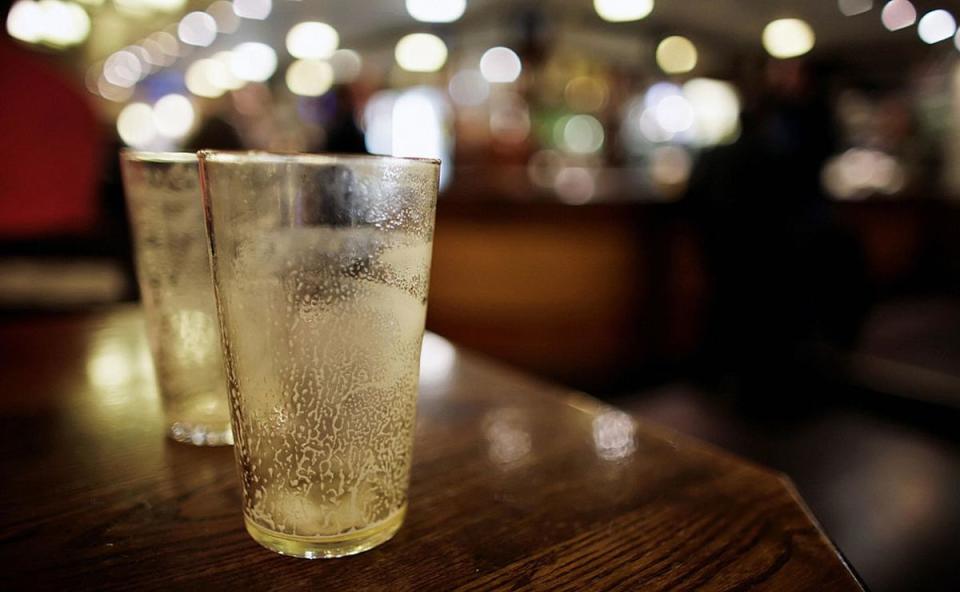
[[516, 485]]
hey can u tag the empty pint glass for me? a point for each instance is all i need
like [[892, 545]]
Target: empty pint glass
[[173, 270], [321, 266]]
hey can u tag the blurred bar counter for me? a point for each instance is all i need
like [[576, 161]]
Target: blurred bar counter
[[595, 293]]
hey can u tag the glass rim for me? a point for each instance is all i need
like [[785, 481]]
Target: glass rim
[[134, 155], [274, 157]]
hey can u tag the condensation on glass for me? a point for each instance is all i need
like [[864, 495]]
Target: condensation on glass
[[173, 271], [321, 267]]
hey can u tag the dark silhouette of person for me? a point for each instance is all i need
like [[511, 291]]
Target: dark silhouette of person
[[215, 133], [784, 274], [343, 133]]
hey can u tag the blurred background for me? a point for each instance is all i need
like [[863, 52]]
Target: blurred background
[[737, 218]]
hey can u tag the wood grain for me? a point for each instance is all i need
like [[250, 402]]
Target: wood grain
[[516, 485]]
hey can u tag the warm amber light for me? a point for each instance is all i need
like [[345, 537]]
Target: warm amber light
[[421, 52], [788, 38], [309, 78], [676, 55]]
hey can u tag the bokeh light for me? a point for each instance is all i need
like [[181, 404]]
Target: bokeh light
[[64, 23], [312, 40], [468, 88], [168, 44], [500, 64], [153, 53], [670, 167], [197, 28], [788, 38], [347, 65], [676, 55], [410, 123], [421, 52], [659, 91], [253, 9], [581, 134], [200, 78], [586, 93], [419, 128], [223, 76], [136, 126], [309, 78], [25, 21], [936, 26], [859, 173], [621, 11], [418, 124], [253, 61], [854, 7], [716, 110], [436, 11], [674, 114], [122, 68], [173, 116], [575, 185], [226, 19], [663, 113], [543, 168], [52, 22], [378, 122], [112, 92], [650, 128], [143, 56], [898, 14], [705, 112]]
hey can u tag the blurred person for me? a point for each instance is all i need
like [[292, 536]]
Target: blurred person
[[51, 151], [343, 134], [215, 131], [784, 274]]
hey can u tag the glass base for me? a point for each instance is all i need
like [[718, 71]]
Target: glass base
[[201, 434], [327, 547]]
